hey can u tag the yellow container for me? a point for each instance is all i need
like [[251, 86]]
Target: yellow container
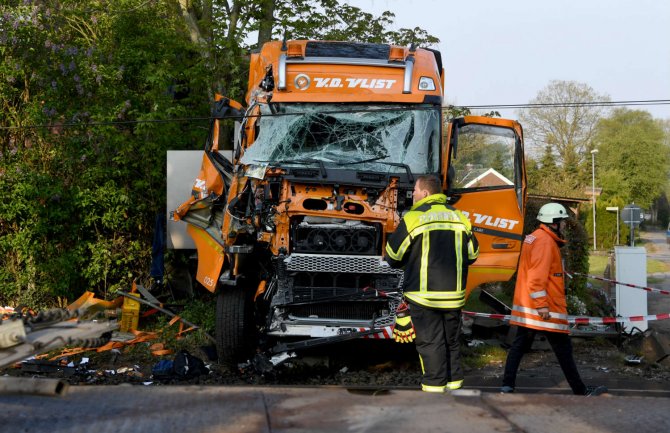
[[130, 315]]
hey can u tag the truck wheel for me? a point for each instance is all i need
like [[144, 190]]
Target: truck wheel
[[235, 326]]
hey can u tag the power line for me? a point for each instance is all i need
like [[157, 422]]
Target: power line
[[649, 102], [106, 123]]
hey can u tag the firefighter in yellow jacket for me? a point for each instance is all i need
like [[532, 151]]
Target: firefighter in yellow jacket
[[539, 300], [435, 244]]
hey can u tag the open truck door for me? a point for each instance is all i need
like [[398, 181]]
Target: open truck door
[[204, 210], [486, 179]]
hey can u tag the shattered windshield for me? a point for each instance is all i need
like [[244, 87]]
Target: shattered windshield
[[371, 137]]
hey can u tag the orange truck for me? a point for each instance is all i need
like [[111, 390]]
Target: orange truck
[[291, 230]]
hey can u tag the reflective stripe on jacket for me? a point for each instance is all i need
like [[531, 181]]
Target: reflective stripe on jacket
[[435, 244], [540, 283]]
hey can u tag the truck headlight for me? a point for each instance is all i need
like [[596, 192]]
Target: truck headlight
[[426, 83]]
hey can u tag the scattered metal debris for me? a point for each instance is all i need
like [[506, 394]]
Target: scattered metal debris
[[475, 343], [595, 330], [496, 304], [40, 366], [89, 334], [165, 311], [633, 359]]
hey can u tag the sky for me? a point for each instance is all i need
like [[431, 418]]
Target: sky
[[505, 52]]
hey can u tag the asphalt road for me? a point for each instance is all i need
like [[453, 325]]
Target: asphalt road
[[301, 410], [658, 249]]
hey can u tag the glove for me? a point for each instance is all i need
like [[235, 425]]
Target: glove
[[403, 329]]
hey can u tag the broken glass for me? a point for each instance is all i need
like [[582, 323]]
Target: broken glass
[[339, 135]]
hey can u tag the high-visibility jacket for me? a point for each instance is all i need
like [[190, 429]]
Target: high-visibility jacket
[[540, 283], [435, 244]]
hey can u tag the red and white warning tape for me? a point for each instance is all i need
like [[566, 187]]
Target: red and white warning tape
[[635, 286], [582, 320], [595, 320], [503, 317], [384, 333], [387, 331]]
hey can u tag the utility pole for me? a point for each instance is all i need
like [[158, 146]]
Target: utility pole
[[593, 193]]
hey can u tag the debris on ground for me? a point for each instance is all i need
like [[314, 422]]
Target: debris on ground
[[36, 339], [141, 358], [475, 343], [184, 366], [633, 360]]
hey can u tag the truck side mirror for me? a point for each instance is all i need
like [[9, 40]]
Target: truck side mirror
[[226, 108]]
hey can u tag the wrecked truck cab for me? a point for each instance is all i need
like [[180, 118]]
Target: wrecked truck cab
[[291, 231]]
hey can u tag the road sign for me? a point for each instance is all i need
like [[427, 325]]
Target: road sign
[[631, 214]]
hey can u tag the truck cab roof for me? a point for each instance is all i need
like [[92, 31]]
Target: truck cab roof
[[296, 71]]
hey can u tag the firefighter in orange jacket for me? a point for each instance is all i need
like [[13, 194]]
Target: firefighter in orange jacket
[[539, 300]]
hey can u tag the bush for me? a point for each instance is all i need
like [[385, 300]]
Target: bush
[[606, 221], [81, 190]]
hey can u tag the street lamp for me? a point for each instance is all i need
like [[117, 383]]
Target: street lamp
[[615, 209], [593, 193]]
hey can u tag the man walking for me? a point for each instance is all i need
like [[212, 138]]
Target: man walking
[[435, 245], [539, 300]]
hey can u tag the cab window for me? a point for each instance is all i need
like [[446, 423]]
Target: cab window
[[484, 159]]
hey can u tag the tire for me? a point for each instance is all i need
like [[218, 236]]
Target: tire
[[236, 335]]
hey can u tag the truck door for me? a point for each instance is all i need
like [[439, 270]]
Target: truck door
[[485, 177], [204, 210]]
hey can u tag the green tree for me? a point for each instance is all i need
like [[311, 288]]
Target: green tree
[[335, 20], [89, 92], [543, 173], [665, 125], [563, 128], [633, 165], [633, 157]]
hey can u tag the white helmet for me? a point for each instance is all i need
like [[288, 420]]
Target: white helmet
[[551, 212]]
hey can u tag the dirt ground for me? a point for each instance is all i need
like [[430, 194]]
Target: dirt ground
[[600, 361]]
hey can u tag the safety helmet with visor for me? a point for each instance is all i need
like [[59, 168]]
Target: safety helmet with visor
[[552, 213]]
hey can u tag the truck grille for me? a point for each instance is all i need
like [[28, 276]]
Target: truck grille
[[343, 263], [381, 313], [302, 293]]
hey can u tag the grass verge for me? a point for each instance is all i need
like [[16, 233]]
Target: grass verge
[[483, 356]]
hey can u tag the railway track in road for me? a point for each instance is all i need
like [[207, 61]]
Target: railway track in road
[[475, 390]]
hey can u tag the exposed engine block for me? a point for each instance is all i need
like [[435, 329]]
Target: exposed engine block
[[333, 236]]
